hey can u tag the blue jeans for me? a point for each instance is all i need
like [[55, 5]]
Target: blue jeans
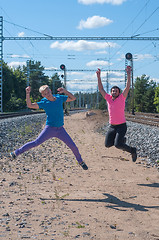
[[47, 133]]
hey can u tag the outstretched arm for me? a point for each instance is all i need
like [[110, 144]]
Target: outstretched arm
[[100, 85], [126, 90], [28, 101], [70, 98]]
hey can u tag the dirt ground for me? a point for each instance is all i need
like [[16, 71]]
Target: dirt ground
[[46, 195]]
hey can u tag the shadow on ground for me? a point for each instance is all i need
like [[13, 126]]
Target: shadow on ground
[[115, 202]]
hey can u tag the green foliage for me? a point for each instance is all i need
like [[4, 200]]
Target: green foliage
[[8, 85], [102, 104], [144, 93], [37, 78], [15, 82], [156, 99], [15, 104], [55, 83]]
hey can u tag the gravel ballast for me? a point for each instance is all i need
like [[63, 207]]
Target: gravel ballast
[[145, 138], [19, 130]]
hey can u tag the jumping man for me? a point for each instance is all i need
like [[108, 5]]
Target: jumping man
[[53, 106], [116, 107]]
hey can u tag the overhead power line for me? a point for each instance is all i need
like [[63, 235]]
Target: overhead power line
[[83, 38], [145, 21]]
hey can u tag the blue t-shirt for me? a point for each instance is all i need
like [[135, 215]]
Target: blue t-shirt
[[54, 110]]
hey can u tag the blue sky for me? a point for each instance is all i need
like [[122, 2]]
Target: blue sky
[[80, 18]]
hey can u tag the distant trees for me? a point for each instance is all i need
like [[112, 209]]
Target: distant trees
[[156, 99], [15, 82], [144, 94]]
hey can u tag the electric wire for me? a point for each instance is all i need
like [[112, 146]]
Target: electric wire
[[140, 25]]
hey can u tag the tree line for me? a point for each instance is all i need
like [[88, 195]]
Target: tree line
[[144, 98]]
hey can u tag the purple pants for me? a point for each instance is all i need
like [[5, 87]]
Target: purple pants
[[49, 132]]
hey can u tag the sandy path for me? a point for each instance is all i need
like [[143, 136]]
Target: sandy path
[[46, 195]]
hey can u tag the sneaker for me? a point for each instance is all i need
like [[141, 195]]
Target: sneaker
[[83, 165], [134, 154], [13, 156]]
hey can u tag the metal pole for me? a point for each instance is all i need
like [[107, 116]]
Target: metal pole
[[79, 99], [97, 98], [132, 82], [28, 73], [107, 84], [65, 78]]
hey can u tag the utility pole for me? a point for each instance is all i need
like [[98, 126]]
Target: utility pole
[[97, 98], [107, 83], [129, 61], [79, 99], [28, 73]]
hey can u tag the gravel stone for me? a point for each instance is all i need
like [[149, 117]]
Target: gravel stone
[[19, 130], [145, 138]]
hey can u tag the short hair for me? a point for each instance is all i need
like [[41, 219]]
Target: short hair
[[43, 88], [116, 87]]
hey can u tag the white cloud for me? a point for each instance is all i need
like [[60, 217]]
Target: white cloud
[[21, 34], [139, 57], [113, 2], [76, 73], [88, 82], [82, 45], [101, 52], [51, 68], [95, 63], [117, 74], [82, 87], [19, 56], [94, 22], [16, 64]]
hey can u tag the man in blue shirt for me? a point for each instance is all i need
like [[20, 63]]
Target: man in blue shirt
[[53, 106]]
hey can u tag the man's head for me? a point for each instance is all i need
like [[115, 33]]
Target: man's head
[[43, 88], [45, 92], [115, 91]]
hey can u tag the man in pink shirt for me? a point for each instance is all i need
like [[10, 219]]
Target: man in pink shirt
[[116, 108]]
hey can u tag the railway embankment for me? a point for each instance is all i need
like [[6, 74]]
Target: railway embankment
[[18, 130]]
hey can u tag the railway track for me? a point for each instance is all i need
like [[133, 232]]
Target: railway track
[[151, 119], [18, 114]]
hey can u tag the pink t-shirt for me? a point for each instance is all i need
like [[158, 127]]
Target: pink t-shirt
[[116, 109]]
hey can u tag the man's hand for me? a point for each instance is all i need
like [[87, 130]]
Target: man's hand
[[128, 69], [98, 72], [61, 90], [28, 90]]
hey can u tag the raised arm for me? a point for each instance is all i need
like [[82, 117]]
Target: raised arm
[[28, 101], [70, 98], [126, 90], [100, 85]]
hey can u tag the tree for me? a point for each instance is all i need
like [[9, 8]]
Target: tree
[[55, 83], [156, 99], [150, 95], [37, 78], [19, 80], [144, 93], [8, 85]]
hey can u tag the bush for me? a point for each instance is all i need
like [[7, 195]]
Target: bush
[[15, 104]]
